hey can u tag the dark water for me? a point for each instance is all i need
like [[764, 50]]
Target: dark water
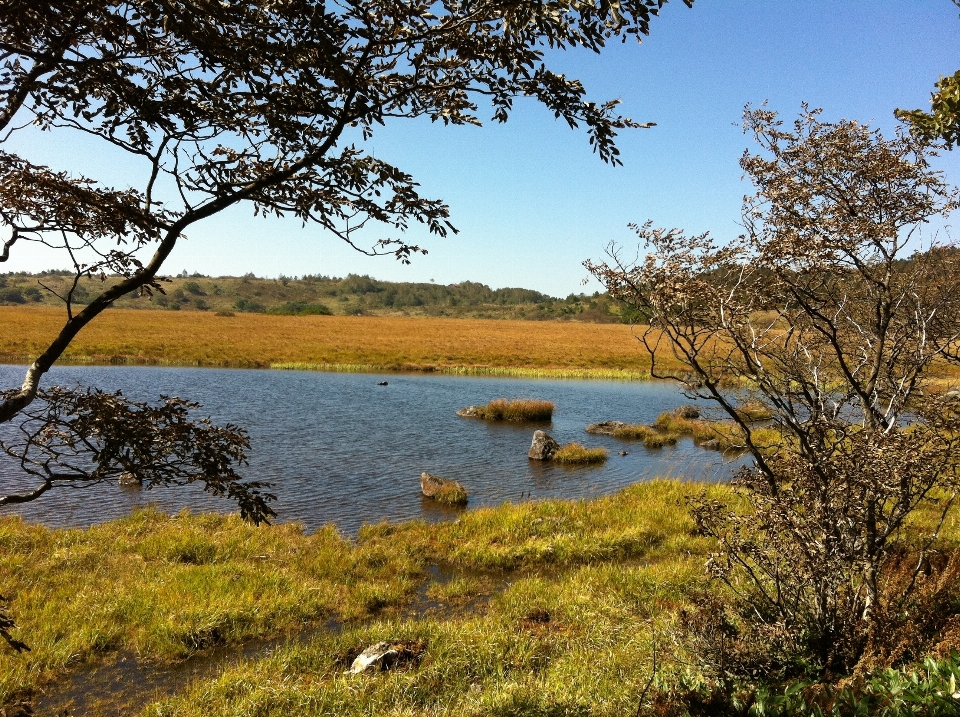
[[341, 449]]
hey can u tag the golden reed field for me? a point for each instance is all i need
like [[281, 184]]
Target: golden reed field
[[331, 342]]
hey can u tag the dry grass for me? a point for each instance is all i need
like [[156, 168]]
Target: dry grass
[[721, 435], [500, 409], [577, 454], [364, 342], [651, 437]]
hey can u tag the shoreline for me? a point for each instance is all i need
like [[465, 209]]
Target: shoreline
[[587, 374]]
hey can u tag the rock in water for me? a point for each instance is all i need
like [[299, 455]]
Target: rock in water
[[129, 480], [605, 428], [689, 412], [442, 490], [470, 412], [543, 447]]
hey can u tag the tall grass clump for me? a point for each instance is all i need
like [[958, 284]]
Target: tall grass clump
[[523, 410], [577, 454], [651, 437], [720, 435]]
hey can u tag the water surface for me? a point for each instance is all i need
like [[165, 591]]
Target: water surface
[[341, 449]]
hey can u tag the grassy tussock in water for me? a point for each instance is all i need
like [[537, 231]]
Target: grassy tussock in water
[[578, 454], [531, 410], [722, 435], [651, 437]]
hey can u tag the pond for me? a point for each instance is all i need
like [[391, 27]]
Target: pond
[[341, 449]]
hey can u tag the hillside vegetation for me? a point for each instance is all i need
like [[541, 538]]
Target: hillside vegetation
[[352, 295]]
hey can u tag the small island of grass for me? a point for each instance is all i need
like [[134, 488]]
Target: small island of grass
[[500, 409], [578, 454]]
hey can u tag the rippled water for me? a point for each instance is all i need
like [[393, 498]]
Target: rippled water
[[341, 449]]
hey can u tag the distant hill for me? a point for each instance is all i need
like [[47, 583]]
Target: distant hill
[[351, 295]]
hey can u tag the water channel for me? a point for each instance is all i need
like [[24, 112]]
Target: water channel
[[341, 449]]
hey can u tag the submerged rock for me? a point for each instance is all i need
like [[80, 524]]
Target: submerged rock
[[543, 447], [689, 412], [129, 480], [443, 490], [605, 428]]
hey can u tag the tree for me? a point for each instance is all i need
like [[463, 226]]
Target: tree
[[263, 102], [831, 313], [943, 120]]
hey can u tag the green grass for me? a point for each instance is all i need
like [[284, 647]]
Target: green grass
[[722, 435], [546, 373], [167, 587], [580, 593], [651, 437], [578, 454], [575, 644]]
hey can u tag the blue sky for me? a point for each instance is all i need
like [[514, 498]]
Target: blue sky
[[530, 198]]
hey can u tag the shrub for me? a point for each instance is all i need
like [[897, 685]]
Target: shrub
[[11, 296], [927, 689], [577, 454], [824, 313], [249, 306], [301, 308]]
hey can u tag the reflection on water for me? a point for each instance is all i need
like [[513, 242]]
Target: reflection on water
[[339, 448]]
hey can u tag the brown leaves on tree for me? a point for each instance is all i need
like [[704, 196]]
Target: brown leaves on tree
[[830, 311]]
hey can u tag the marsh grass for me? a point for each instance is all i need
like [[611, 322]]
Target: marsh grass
[[651, 437], [522, 410], [572, 644], [755, 411], [582, 593], [529, 349], [165, 587], [721, 435], [578, 454]]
